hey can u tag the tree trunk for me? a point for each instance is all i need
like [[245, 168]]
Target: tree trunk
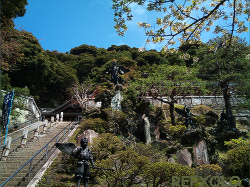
[[171, 109], [228, 106]]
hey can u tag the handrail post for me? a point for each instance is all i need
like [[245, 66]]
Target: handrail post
[[63, 132], [30, 170], [57, 138]]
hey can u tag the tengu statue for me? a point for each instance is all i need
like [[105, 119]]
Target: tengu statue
[[188, 116], [84, 156], [114, 70]]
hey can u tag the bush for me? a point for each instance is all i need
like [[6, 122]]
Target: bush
[[149, 151], [160, 173], [106, 144], [238, 160], [127, 164], [96, 124], [117, 122], [206, 170], [233, 143], [177, 131], [201, 110]]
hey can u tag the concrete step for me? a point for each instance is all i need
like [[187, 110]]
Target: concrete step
[[21, 155]]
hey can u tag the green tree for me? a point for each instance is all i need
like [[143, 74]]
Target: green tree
[[89, 49], [85, 63], [150, 57], [13, 8], [160, 173], [128, 165], [225, 68], [10, 47], [186, 20], [171, 81]]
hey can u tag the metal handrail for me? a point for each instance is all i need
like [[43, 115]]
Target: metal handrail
[[31, 159], [20, 124], [30, 121], [21, 136]]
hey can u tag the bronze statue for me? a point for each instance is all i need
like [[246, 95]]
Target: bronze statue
[[84, 156], [188, 116], [228, 117], [114, 70]]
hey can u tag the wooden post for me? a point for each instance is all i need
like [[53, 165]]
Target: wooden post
[[24, 138], [6, 149]]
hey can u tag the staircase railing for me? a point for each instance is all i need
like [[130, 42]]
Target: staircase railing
[[27, 124], [46, 149]]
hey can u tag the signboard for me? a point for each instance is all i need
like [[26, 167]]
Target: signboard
[[7, 104]]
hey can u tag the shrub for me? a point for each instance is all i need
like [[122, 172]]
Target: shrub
[[160, 173], [238, 160], [106, 144], [149, 151], [200, 120], [96, 124], [201, 109], [233, 143], [117, 122], [127, 164], [206, 170], [177, 131]]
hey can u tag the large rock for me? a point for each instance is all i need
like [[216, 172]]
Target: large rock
[[184, 157], [171, 160], [89, 134]]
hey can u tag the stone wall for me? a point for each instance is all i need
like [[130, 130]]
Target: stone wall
[[216, 102]]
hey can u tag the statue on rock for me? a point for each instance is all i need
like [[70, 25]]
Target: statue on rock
[[84, 156], [115, 70], [228, 117], [187, 114]]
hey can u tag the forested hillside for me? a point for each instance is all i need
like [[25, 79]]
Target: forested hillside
[[50, 75]]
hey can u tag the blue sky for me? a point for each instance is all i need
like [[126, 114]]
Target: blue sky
[[63, 24]]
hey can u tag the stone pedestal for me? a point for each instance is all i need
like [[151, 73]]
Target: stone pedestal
[[116, 101], [36, 132], [61, 117], [24, 138], [45, 127], [52, 121], [6, 149], [57, 118]]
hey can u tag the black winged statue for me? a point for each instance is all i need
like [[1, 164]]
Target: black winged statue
[[115, 70], [84, 156], [187, 114]]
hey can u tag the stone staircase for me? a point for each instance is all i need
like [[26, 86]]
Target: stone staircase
[[20, 156], [18, 133]]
